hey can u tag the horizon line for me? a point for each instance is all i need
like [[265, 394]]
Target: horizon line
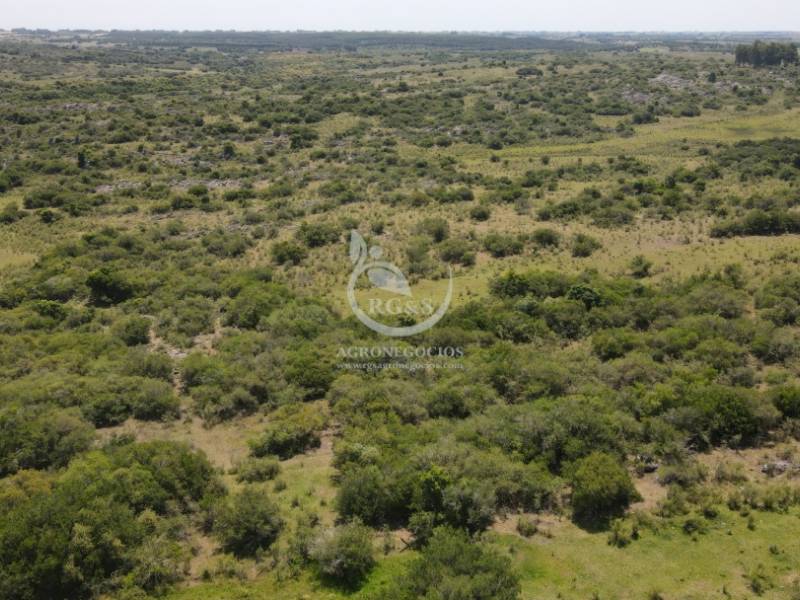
[[404, 31]]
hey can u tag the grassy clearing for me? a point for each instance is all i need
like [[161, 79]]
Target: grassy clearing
[[308, 482], [225, 444], [725, 562], [12, 258], [270, 586], [576, 565]]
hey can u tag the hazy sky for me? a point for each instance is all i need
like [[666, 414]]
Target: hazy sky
[[416, 15]]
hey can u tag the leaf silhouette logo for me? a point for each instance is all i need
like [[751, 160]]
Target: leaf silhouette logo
[[382, 275], [388, 277], [358, 248]]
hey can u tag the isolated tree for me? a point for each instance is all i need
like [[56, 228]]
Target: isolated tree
[[601, 488], [640, 267], [454, 565], [248, 522], [344, 553], [108, 287]]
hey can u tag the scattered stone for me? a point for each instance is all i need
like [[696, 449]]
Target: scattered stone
[[636, 97], [778, 467], [671, 81], [109, 188]]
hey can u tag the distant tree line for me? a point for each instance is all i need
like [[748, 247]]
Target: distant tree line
[[759, 222], [760, 54], [336, 40]]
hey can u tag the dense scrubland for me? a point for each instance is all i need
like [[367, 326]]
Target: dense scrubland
[[621, 216]]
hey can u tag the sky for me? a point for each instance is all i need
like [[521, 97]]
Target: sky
[[406, 15]]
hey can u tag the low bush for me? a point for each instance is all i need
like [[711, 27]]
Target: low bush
[[247, 522], [290, 430], [453, 561], [257, 470], [601, 488], [500, 245], [344, 554], [546, 238], [584, 245], [288, 253]]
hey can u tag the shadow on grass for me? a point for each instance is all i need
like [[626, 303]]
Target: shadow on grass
[[346, 587], [596, 523]]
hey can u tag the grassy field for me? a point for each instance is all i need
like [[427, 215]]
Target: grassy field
[[10, 258], [270, 586], [728, 561]]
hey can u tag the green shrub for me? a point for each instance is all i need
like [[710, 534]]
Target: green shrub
[[759, 222], [226, 245], [251, 307], [457, 251], [584, 245], [247, 522], [684, 473], [546, 238], [365, 494], [419, 261], [453, 565], [730, 472], [566, 318], [152, 400], [287, 253], [435, 227], [10, 213], [100, 519], [601, 488], [291, 430], [716, 298], [527, 527], [38, 437], [480, 212], [133, 331], [734, 416], [344, 553], [500, 245], [310, 370], [108, 287], [623, 532], [315, 235], [153, 365], [640, 267], [786, 399], [257, 470], [613, 343], [776, 345]]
